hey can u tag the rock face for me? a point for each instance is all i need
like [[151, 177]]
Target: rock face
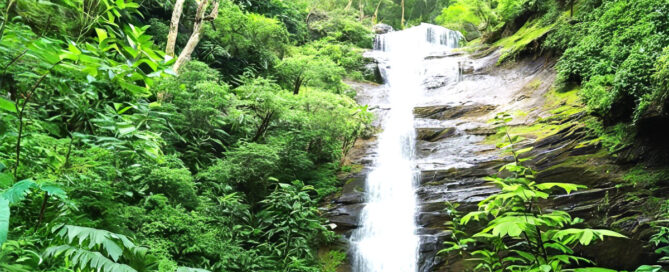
[[455, 151], [382, 28]]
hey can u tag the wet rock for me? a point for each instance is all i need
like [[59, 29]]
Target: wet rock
[[351, 198], [346, 216], [466, 67], [442, 55], [456, 174], [447, 112], [382, 28], [432, 219], [355, 184], [434, 134], [372, 72], [435, 82], [609, 252], [485, 131]]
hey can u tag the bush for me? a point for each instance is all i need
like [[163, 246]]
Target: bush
[[623, 39], [176, 184], [343, 28]]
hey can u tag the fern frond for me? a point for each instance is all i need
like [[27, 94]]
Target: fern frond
[[87, 259], [107, 241]]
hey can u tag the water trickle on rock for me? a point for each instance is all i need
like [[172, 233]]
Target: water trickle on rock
[[387, 239]]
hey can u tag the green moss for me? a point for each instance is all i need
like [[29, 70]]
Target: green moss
[[533, 85], [516, 43], [555, 98], [641, 175], [591, 163], [613, 138], [536, 131], [520, 113]]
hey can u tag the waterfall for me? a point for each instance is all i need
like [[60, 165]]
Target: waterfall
[[387, 239]]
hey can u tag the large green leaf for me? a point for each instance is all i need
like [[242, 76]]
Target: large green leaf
[[19, 191], [513, 229], [87, 259], [90, 237], [6, 180], [7, 105], [53, 190], [4, 219], [568, 187], [649, 268]]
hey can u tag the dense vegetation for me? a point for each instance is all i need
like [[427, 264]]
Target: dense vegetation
[[613, 53], [617, 50], [119, 154], [131, 141]]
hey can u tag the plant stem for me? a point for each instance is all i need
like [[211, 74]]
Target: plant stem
[[43, 209], [4, 21], [20, 115]]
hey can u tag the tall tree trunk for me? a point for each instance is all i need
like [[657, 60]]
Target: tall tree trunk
[[362, 12], [195, 37], [376, 12], [571, 14], [402, 22], [174, 27], [348, 6]]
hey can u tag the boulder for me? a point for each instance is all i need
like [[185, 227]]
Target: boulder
[[372, 72], [382, 28], [434, 134], [435, 82]]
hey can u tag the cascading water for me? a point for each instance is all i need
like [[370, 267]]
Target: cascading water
[[387, 240]]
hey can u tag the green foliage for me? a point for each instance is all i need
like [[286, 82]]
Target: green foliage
[[113, 148], [518, 233], [462, 12], [17, 193], [660, 241], [615, 50], [98, 249], [239, 41], [291, 223], [613, 138], [291, 13], [176, 184], [345, 55], [300, 70], [332, 260], [19, 256], [640, 176], [342, 28]]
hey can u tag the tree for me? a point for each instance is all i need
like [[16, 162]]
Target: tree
[[402, 20], [301, 70], [376, 12], [174, 27], [198, 23]]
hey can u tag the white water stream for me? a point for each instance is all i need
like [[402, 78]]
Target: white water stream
[[387, 240]]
